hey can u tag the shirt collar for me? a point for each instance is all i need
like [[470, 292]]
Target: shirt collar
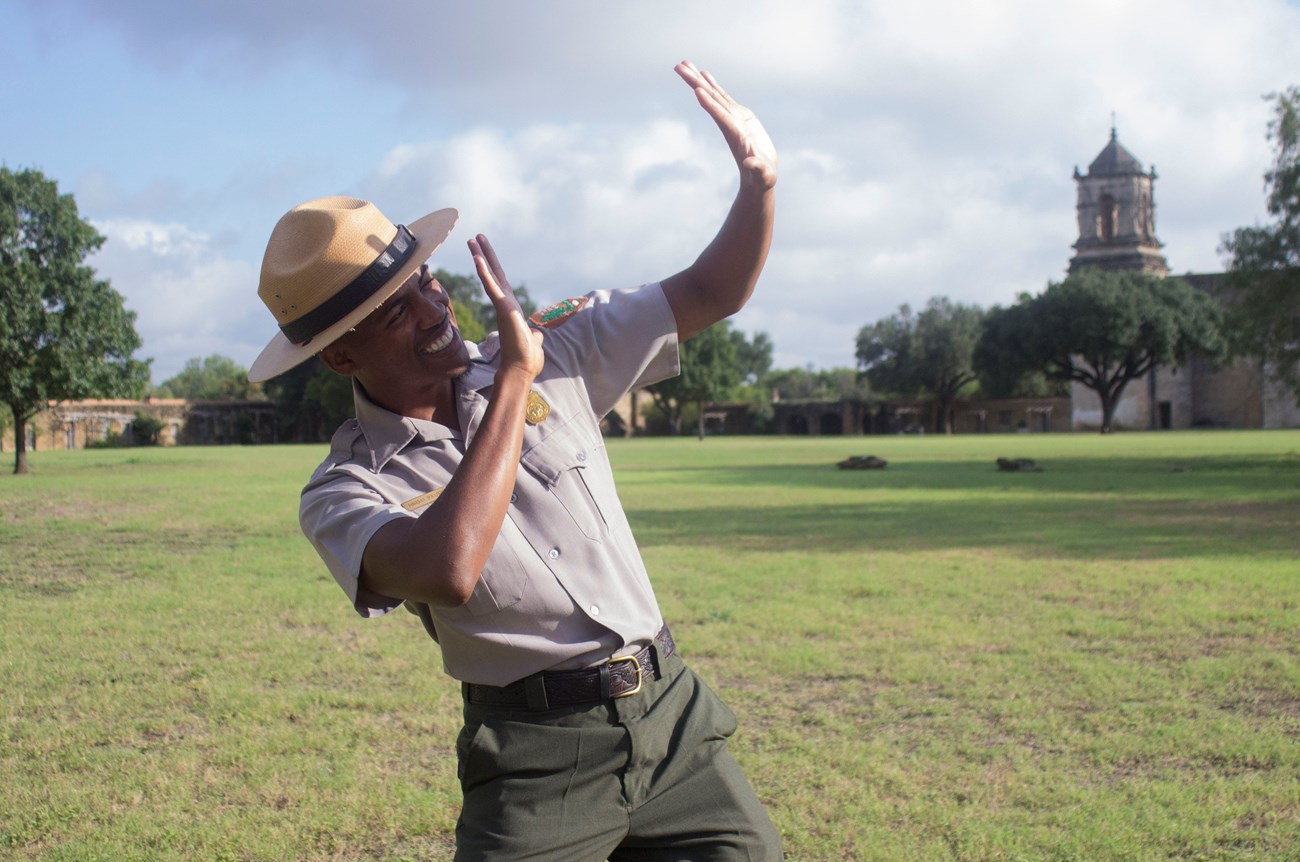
[[388, 433]]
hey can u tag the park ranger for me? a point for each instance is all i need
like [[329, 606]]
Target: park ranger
[[473, 488]]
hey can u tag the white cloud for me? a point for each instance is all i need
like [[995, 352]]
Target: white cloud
[[569, 206], [926, 147], [190, 301]]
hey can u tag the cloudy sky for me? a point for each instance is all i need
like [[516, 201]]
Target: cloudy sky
[[926, 148]]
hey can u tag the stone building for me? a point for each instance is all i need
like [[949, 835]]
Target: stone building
[[78, 424], [1116, 209], [1117, 214], [919, 416]]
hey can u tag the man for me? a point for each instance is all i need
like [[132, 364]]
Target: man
[[473, 488]]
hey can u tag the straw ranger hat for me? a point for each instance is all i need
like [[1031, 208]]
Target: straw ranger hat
[[330, 263]]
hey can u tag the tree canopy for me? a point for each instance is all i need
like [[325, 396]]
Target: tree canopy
[[64, 333], [929, 353], [1263, 285], [216, 378], [1102, 329], [823, 384], [753, 357], [714, 363]]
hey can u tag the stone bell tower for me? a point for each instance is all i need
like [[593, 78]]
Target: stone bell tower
[[1117, 215]]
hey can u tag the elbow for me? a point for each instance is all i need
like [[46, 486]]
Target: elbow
[[457, 592], [431, 583], [451, 585]]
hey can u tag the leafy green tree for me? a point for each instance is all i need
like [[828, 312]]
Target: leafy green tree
[[1102, 329], [311, 401], [923, 354], [823, 384], [753, 358], [216, 378], [64, 334], [710, 371], [1263, 284], [1005, 376], [145, 429]]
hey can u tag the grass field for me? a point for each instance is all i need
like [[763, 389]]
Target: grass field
[[1099, 661]]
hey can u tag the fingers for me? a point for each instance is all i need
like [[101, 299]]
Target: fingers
[[489, 269], [491, 254], [714, 100], [703, 83], [485, 274], [749, 142]]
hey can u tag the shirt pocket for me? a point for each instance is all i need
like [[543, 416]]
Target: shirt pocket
[[560, 461], [502, 583]]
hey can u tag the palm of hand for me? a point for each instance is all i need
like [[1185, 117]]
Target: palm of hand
[[521, 346], [750, 144]]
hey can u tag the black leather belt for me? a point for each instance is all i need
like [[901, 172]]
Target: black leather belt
[[618, 677]]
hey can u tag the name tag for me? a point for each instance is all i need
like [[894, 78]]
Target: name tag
[[423, 500]]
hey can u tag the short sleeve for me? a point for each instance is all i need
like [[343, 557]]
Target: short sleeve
[[616, 341], [339, 514]]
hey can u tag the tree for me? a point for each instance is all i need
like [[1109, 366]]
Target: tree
[[64, 334], [1003, 375], [753, 358], [1102, 329], [710, 371], [145, 429], [1263, 284], [824, 384], [217, 378], [311, 401], [928, 353]]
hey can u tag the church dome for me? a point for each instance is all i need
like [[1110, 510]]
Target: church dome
[[1114, 160]]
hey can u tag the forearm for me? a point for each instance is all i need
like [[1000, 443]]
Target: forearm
[[722, 278], [437, 557]]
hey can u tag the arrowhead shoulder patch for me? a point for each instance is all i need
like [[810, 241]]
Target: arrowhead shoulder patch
[[552, 316]]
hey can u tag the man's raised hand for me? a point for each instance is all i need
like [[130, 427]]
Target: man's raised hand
[[521, 345], [753, 150]]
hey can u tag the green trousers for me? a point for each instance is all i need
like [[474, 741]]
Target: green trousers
[[645, 777]]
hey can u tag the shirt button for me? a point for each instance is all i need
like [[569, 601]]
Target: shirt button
[[514, 497], [595, 611], [582, 456], [555, 553]]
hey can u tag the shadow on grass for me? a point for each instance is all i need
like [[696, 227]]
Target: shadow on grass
[[1238, 478], [1075, 508]]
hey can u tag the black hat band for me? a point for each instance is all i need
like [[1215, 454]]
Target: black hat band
[[361, 288]]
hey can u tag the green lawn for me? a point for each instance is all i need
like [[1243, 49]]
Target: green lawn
[[937, 661]]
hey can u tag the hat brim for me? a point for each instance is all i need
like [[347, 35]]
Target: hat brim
[[282, 354]]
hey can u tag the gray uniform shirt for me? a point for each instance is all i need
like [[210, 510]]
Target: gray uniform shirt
[[564, 585]]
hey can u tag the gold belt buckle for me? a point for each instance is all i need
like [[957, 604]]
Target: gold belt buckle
[[639, 678]]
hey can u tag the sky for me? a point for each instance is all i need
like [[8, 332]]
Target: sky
[[926, 148]]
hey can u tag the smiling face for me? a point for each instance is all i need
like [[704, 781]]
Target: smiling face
[[407, 351]]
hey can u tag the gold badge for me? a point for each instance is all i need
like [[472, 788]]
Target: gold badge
[[537, 409], [423, 500]]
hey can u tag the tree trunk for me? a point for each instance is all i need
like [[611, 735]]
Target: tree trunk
[[699, 422], [20, 444], [1108, 404], [944, 423]]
